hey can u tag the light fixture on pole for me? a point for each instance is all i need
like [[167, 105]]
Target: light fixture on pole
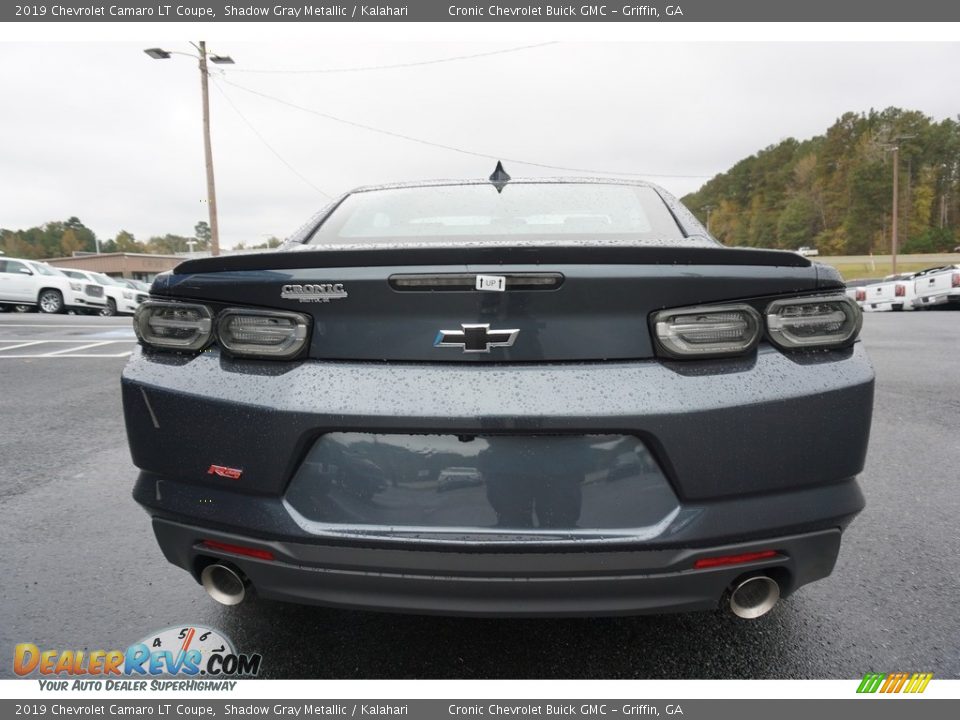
[[161, 54]]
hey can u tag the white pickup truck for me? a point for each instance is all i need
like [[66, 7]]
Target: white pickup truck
[[33, 283], [937, 286], [894, 292]]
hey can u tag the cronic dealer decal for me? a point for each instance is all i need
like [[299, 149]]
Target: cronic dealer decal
[[318, 292]]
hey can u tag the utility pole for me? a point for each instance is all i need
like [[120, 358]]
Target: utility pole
[[709, 209], [208, 153], [160, 54], [896, 188], [895, 148]]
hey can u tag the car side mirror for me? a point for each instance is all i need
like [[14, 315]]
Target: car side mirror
[[26, 271]]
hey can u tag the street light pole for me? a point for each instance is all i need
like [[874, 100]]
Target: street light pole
[[208, 153], [161, 54]]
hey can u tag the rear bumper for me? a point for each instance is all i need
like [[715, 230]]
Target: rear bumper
[[944, 298], [601, 582], [759, 453]]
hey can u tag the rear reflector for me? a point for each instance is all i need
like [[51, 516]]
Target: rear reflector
[[722, 560], [238, 550]]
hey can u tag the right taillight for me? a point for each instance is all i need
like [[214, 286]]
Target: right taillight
[[900, 290], [813, 322], [711, 331]]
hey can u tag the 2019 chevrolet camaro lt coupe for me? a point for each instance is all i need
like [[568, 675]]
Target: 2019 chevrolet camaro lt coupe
[[528, 397]]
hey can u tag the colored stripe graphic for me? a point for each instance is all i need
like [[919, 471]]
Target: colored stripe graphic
[[894, 682]]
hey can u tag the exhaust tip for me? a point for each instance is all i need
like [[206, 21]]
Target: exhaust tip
[[754, 597], [224, 584]]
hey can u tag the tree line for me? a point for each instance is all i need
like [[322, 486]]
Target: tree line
[[835, 191], [64, 238]]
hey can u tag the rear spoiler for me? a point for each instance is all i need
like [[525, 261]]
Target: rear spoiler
[[389, 256]]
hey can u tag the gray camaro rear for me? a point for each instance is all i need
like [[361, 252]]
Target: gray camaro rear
[[536, 397]]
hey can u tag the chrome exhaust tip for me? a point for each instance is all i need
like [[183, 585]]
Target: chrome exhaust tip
[[754, 597], [224, 584]]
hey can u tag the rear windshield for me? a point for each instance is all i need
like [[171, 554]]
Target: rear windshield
[[535, 210]]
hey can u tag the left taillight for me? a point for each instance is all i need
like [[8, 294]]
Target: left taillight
[[713, 331], [173, 325], [956, 280], [262, 333], [900, 290], [242, 332]]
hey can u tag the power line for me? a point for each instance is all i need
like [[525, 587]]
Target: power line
[[442, 146], [266, 144], [394, 66]]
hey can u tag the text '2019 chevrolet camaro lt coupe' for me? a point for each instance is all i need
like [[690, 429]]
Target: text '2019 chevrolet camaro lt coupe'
[[542, 397]]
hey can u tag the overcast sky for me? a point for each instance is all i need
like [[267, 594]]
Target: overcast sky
[[101, 131]]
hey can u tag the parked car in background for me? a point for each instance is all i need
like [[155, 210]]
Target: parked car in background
[[29, 283], [120, 299], [135, 284], [894, 292], [549, 334], [808, 251], [937, 286], [855, 288]]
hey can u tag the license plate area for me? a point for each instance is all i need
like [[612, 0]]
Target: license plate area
[[522, 486]]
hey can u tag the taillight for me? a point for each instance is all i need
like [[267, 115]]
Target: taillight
[[709, 331], [861, 295], [956, 280], [901, 290], [262, 333], [813, 322], [173, 325]]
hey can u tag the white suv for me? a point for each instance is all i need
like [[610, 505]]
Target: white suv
[[119, 298], [28, 282]]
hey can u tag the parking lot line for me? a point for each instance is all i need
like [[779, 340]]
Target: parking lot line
[[22, 345], [59, 357], [98, 327], [78, 349]]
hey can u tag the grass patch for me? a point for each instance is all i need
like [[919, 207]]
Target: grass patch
[[878, 269]]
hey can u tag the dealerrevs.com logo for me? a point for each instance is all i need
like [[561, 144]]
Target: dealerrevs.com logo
[[184, 652]]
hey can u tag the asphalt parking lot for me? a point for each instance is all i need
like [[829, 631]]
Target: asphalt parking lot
[[81, 569]]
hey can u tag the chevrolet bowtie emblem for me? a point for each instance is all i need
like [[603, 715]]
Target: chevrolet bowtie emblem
[[475, 338]]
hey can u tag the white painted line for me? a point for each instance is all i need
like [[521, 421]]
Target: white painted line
[[89, 338], [77, 349], [57, 357], [98, 327], [23, 344]]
